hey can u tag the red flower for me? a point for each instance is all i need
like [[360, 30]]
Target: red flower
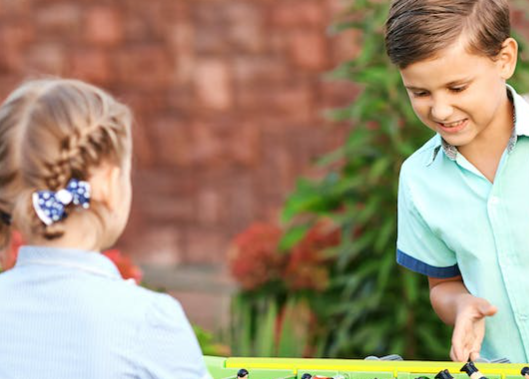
[[308, 264], [126, 267], [253, 257]]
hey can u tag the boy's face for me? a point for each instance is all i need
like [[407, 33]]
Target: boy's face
[[461, 96]]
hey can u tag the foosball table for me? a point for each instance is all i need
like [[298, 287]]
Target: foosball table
[[299, 368]]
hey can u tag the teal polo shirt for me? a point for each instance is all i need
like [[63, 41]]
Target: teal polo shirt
[[453, 221]]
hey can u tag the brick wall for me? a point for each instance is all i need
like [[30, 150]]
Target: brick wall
[[227, 96]]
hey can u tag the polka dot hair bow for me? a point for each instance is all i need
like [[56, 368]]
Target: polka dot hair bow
[[51, 206]]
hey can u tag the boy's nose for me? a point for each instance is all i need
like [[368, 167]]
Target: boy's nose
[[441, 111]]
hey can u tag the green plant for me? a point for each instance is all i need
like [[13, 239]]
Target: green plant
[[208, 343], [270, 326], [372, 306]]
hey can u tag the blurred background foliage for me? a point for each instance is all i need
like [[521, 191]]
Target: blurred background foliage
[[325, 283]]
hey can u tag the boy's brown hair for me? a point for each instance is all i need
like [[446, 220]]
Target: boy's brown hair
[[418, 29]]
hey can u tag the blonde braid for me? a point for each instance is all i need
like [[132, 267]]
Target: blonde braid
[[71, 127]]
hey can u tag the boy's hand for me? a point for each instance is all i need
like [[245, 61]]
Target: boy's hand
[[456, 306], [469, 328]]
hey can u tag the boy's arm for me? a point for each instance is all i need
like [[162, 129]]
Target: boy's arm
[[456, 306]]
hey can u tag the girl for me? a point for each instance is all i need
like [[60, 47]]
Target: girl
[[65, 311]]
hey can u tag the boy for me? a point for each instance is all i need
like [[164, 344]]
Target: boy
[[464, 196]]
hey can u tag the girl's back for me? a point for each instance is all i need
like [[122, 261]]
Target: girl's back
[[68, 314], [65, 185]]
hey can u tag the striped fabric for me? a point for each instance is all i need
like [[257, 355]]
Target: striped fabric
[[68, 314]]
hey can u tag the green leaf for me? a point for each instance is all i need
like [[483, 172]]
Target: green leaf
[[293, 236]]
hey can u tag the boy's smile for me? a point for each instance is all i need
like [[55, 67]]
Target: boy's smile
[[462, 96]]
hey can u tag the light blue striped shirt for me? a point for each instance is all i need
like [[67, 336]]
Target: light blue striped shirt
[[69, 314]]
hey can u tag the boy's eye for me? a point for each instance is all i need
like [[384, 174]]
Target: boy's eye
[[458, 89], [420, 94]]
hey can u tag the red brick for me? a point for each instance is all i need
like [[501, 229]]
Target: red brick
[[181, 43], [289, 13], [213, 84], [135, 28], [245, 27], [244, 147], [181, 37], [143, 152], [243, 199], [103, 26], [284, 170], [205, 246], [148, 103], [47, 59], [11, 61], [160, 246], [179, 98], [8, 84], [289, 101], [210, 207], [62, 18], [229, 26], [148, 67], [168, 209], [170, 138], [207, 147], [260, 70], [246, 36], [14, 38], [212, 40], [91, 65], [309, 50], [15, 7], [336, 7], [154, 17]]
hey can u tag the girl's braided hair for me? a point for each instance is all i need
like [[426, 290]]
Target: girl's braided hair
[[59, 129]]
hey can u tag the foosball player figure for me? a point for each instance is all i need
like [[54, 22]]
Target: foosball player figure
[[243, 374], [306, 376], [472, 371], [444, 374], [525, 372]]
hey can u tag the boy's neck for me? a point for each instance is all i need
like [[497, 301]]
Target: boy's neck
[[486, 150]]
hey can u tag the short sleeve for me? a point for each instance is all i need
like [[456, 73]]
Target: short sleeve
[[169, 346], [418, 248]]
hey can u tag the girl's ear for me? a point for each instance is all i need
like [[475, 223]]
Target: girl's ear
[[105, 182], [508, 58]]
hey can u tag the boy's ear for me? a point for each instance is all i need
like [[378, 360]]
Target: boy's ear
[[508, 58], [105, 182]]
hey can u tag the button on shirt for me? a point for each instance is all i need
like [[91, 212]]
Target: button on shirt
[[453, 221], [69, 314]]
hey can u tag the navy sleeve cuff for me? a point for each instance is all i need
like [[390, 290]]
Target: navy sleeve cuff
[[413, 264]]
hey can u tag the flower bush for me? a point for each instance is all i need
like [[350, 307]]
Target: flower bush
[[257, 262], [253, 257], [276, 313]]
